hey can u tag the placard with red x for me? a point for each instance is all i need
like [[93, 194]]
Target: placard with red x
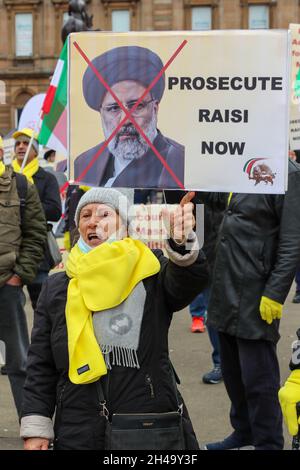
[[217, 107]]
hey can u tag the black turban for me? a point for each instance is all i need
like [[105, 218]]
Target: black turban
[[119, 64]]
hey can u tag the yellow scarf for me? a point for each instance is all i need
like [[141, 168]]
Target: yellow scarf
[[100, 279], [2, 168], [29, 170]]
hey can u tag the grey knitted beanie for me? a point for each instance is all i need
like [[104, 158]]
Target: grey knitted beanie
[[34, 144], [111, 197]]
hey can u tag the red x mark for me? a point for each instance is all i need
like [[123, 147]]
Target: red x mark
[[128, 115]]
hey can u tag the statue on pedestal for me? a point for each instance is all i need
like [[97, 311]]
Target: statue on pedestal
[[78, 20]]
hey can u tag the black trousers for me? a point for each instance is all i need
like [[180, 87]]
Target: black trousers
[[14, 333], [34, 289], [251, 375]]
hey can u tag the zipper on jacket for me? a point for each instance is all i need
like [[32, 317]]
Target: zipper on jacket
[[61, 395], [150, 385], [107, 391], [59, 407]]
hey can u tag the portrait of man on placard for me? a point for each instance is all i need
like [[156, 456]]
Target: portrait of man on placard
[[129, 160]]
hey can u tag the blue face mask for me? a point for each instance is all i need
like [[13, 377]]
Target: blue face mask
[[83, 247], [119, 235]]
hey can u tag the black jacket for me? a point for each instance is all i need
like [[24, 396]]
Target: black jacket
[[258, 250], [48, 190], [146, 172], [148, 389], [22, 230]]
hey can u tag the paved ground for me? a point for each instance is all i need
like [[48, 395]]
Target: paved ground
[[208, 404]]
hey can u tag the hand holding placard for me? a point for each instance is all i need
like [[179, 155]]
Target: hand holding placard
[[180, 222]]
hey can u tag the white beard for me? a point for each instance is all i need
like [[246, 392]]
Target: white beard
[[131, 149]]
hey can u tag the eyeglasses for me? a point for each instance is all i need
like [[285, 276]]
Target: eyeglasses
[[114, 110]]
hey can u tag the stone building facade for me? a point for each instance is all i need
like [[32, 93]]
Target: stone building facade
[[30, 33]]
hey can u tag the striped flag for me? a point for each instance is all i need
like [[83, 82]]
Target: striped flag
[[297, 83], [249, 165], [53, 133]]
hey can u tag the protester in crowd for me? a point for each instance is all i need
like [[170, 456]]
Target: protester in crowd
[[22, 241], [257, 254], [197, 310], [73, 196], [116, 328], [295, 156], [50, 165], [292, 155], [212, 222], [214, 376], [48, 190], [75, 193], [296, 298], [61, 178], [50, 156], [297, 153]]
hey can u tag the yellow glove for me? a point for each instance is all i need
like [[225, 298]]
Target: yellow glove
[[85, 188], [270, 309], [67, 241], [289, 395]]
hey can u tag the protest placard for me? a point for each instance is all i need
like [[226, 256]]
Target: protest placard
[[295, 88], [189, 110]]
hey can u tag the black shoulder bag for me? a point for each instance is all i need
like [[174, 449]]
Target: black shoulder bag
[[143, 431], [54, 255]]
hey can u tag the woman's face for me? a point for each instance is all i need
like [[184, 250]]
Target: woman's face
[[97, 222]]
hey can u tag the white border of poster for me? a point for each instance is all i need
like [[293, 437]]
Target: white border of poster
[[295, 96], [225, 101]]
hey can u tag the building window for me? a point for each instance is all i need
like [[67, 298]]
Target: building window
[[121, 15], [259, 14], [201, 18], [201, 15], [259, 17], [19, 104], [24, 30], [18, 112], [120, 20]]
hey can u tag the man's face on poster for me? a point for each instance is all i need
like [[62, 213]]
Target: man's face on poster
[[128, 144]]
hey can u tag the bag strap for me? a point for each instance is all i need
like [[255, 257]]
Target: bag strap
[[175, 380], [102, 401], [21, 182], [103, 409]]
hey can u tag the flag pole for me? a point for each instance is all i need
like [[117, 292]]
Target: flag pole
[[30, 143]]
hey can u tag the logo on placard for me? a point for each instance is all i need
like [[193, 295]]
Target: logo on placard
[[259, 172]]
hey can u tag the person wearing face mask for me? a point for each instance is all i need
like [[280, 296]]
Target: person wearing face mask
[[108, 318]]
